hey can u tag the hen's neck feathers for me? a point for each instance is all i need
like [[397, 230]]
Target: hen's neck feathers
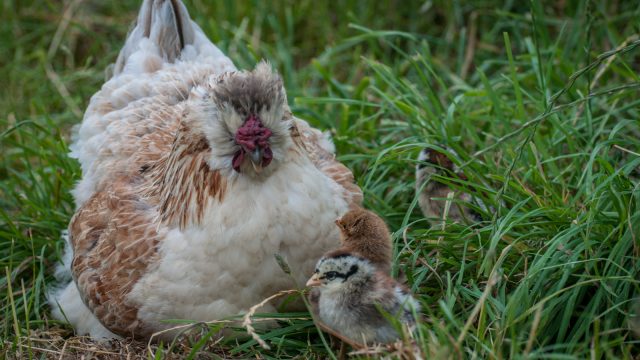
[[183, 182]]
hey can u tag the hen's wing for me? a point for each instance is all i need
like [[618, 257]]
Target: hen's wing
[[320, 149], [113, 246]]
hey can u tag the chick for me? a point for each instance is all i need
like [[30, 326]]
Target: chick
[[432, 196], [366, 234], [355, 299]]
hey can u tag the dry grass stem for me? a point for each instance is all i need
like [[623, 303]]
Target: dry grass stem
[[247, 320]]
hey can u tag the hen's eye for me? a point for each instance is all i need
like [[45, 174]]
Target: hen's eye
[[331, 275]]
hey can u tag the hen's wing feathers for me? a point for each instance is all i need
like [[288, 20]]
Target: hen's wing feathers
[[113, 246], [320, 150]]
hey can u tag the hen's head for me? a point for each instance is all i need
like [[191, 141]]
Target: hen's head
[[250, 129]]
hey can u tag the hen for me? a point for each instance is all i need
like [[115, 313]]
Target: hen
[[194, 176]]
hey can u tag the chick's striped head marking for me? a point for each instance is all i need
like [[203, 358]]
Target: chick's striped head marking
[[334, 270], [250, 109]]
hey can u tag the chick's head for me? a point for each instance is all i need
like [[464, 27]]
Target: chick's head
[[432, 161], [334, 271], [361, 223]]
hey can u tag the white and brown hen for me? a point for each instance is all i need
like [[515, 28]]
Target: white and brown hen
[[194, 175]]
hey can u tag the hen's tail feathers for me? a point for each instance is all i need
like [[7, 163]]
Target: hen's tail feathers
[[167, 25]]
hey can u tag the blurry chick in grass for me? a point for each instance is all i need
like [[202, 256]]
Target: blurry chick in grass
[[355, 299], [432, 195], [366, 234]]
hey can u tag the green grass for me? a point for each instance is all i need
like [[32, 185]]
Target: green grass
[[539, 101]]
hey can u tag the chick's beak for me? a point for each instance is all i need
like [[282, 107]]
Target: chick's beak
[[313, 281]]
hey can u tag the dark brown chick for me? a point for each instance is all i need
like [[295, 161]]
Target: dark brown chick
[[366, 234]]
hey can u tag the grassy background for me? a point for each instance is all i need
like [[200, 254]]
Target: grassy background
[[540, 103]]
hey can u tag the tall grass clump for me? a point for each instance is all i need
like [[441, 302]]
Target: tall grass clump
[[539, 102]]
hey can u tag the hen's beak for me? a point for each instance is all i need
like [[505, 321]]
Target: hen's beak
[[256, 155], [313, 281], [256, 159]]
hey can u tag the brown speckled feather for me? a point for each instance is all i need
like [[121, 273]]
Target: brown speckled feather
[[113, 247], [182, 177]]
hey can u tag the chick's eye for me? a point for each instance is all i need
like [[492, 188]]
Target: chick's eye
[[331, 275]]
